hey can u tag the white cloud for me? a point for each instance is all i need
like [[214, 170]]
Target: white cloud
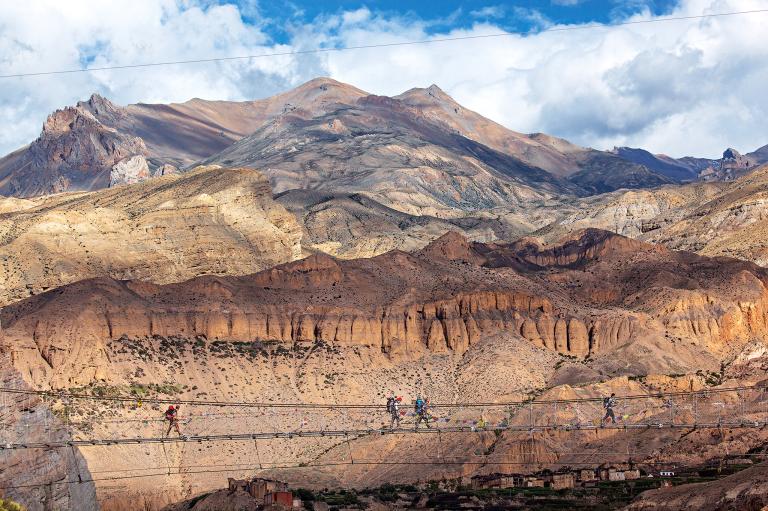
[[679, 87], [489, 11], [54, 35]]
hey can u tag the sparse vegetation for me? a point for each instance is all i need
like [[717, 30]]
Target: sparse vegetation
[[9, 505]]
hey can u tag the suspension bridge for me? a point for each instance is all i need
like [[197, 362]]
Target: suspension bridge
[[51, 421], [132, 420]]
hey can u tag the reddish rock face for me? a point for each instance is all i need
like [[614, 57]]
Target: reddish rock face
[[75, 151], [431, 301]]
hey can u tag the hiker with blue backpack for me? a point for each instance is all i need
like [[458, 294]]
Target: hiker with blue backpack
[[421, 408]]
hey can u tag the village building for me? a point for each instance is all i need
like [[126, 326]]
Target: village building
[[561, 481], [497, 481], [274, 495], [534, 482]]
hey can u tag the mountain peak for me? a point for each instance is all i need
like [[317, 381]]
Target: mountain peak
[[99, 106], [452, 246], [431, 94], [325, 83], [435, 90]]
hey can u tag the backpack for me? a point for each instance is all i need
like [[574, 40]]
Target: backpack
[[390, 404], [170, 414], [419, 406], [607, 402]]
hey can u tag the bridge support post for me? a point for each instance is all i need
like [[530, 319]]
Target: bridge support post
[[349, 448], [695, 410], [258, 456]]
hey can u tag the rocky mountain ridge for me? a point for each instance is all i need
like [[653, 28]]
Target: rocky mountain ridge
[[715, 219], [730, 166], [80, 144]]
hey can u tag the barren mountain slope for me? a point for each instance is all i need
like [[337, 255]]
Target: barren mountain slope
[[31, 417], [554, 155], [590, 295], [743, 491], [714, 219], [682, 170], [187, 132], [172, 228], [383, 147], [633, 213], [733, 223], [428, 131], [79, 145], [355, 225]]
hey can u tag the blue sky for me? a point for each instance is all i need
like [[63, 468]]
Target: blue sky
[[521, 15], [692, 87]]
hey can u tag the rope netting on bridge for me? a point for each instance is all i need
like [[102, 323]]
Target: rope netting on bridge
[[65, 419]]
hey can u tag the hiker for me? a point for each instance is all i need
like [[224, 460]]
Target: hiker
[[422, 412], [608, 404], [393, 407], [172, 416]]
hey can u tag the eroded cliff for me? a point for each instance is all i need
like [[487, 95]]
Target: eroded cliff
[[592, 295]]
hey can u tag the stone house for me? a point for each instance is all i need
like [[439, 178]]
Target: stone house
[[562, 480]]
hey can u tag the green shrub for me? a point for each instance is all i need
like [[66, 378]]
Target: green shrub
[[9, 505]]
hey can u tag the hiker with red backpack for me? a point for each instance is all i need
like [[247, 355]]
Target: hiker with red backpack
[[172, 416], [393, 407]]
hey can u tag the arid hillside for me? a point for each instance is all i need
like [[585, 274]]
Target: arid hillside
[[589, 296], [743, 491], [278, 267], [207, 221], [733, 223], [714, 219]]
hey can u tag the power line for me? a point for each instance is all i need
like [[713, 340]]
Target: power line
[[383, 45], [255, 404]]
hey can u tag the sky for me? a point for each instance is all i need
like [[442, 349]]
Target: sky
[[692, 87]]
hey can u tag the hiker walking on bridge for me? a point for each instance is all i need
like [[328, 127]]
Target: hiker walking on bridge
[[172, 416], [608, 404], [393, 407], [422, 412]]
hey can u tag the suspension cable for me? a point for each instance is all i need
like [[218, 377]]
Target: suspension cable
[[256, 404]]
